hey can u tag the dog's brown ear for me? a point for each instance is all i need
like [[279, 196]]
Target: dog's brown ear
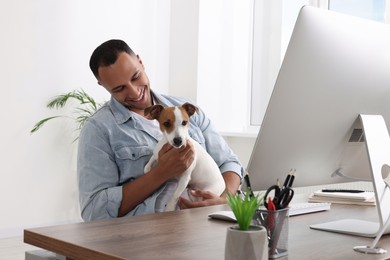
[[154, 111], [190, 108], [147, 110]]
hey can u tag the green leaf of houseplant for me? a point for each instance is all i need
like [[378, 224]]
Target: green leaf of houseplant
[[244, 208], [87, 107], [40, 123]]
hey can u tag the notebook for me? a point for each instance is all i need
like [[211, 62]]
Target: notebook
[[364, 198]]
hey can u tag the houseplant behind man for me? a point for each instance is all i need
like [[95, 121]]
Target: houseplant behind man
[[118, 140]]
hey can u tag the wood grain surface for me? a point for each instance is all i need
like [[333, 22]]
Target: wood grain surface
[[189, 234]]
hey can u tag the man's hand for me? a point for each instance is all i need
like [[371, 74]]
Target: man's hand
[[207, 199], [232, 182], [174, 161], [171, 163]]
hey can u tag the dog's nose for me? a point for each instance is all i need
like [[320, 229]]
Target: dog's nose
[[177, 141]]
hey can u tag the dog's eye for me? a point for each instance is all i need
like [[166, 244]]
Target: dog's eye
[[167, 124], [184, 123]]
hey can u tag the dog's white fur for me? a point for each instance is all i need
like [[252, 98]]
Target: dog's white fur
[[203, 173]]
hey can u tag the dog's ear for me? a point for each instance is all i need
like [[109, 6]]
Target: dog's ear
[[147, 110], [190, 108], [154, 111]]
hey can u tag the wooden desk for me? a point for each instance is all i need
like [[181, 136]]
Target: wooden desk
[[189, 234]]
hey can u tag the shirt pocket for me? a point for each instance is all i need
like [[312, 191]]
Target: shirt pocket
[[131, 161]]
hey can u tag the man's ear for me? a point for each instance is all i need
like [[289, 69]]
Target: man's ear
[[154, 111], [140, 61], [190, 108]]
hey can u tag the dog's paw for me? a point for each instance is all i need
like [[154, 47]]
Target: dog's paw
[[147, 168], [151, 164]]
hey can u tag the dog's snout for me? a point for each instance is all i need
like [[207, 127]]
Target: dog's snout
[[177, 141]]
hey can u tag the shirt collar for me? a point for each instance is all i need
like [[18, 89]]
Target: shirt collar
[[122, 114]]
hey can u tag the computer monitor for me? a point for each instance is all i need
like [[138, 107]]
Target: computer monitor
[[336, 67]]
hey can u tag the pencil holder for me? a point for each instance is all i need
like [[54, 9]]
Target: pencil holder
[[276, 223]]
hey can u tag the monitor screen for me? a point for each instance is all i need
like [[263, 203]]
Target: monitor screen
[[335, 68]]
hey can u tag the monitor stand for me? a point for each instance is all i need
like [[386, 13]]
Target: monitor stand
[[378, 151]]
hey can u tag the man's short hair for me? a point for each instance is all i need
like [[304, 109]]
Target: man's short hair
[[107, 53]]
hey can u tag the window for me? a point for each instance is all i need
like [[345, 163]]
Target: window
[[369, 9], [267, 58], [224, 44], [241, 45]]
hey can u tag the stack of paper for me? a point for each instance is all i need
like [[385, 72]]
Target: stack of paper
[[362, 198]]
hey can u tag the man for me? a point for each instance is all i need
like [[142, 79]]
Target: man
[[118, 140]]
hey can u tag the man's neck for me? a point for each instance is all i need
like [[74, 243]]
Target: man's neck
[[141, 112]]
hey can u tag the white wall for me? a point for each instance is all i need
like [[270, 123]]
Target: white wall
[[45, 50], [184, 48]]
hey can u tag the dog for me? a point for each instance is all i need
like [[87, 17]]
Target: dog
[[203, 173]]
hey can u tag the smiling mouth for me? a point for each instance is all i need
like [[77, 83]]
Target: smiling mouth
[[141, 96]]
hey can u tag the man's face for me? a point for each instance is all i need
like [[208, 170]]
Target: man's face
[[127, 82]]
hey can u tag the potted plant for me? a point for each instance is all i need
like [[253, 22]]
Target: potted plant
[[87, 107], [245, 241]]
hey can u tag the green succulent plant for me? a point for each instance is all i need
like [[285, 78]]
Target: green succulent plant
[[88, 106], [244, 208]]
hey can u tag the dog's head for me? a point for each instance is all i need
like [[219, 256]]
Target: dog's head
[[174, 121]]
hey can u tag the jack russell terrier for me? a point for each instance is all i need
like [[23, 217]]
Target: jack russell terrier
[[203, 173]]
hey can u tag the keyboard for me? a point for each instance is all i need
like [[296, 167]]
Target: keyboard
[[295, 209], [308, 207]]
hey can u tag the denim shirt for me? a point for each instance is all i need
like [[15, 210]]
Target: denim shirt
[[114, 147]]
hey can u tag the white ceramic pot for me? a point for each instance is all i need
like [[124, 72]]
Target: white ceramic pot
[[250, 244]]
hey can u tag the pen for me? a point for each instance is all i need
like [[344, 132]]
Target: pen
[[342, 190], [292, 172], [271, 205], [248, 185], [277, 193], [289, 179], [270, 221]]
